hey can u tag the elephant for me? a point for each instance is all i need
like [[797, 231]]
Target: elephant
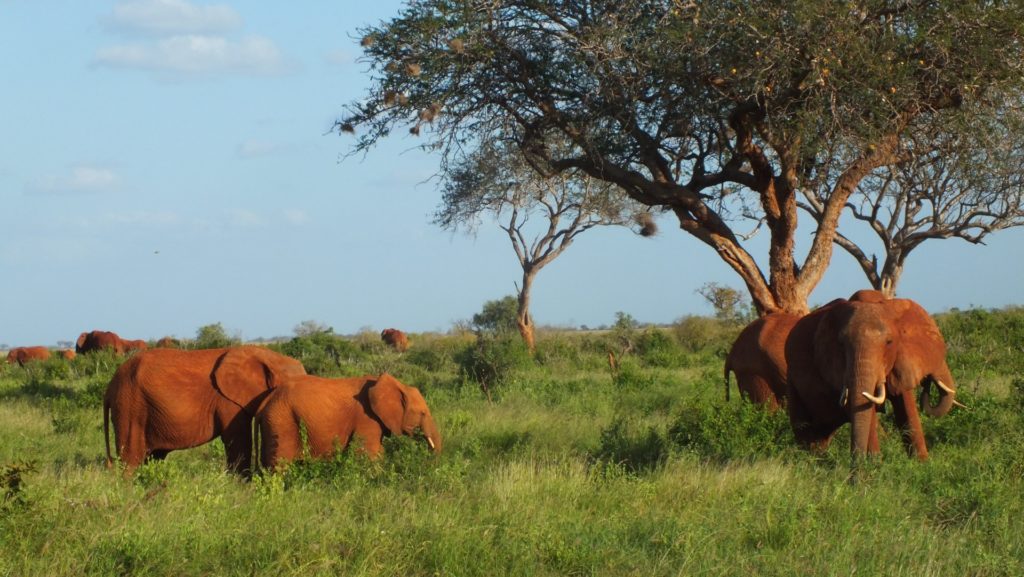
[[332, 411], [136, 345], [67, 354], [22, 355], [396, 339], [758, 358], [848, 357], [162, 400], [99, 340], [168, 343]]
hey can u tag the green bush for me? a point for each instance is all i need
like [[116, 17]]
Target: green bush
[[634, 450], [657, 349], [701, 333], [733, 431], [214, 337], [494, 360], [321, 353]]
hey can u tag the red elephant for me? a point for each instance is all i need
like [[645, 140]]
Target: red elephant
[[396, 339], [99, 340], [22, 355]]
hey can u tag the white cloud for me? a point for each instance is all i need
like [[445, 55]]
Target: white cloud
[[197, 55], [167, 17], [81, 180], [296, 216]]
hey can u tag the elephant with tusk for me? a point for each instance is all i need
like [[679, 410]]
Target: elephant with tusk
[[332, 411], [849, 357]]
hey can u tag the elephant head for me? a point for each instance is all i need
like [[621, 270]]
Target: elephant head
[[402, 410], [852, 356]]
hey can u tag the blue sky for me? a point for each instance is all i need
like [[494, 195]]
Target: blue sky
[[164, 165]]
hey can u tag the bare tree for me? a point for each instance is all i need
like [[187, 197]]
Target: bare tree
[[541, 214], [945, 186], [716, 110]]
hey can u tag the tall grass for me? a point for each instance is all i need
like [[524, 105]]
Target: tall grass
[[568, 469]]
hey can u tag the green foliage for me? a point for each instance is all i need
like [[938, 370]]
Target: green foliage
[[701, 334], [494, 360], [321, 353], [214, 337], [736, 431], [498, 316], [634, 451]]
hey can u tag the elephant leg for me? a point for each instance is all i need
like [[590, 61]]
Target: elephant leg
[[809, 433], [756, 389], [129, 439], [909, 422], [157, 454], [237, 438]]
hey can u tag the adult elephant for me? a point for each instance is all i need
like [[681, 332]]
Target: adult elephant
[[163, 400], [332, 411], [22, 355], [759, 361], [395, 339], [134, 345], [99, 340], [846, 358]]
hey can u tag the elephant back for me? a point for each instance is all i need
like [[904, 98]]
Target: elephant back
[[244, 374]]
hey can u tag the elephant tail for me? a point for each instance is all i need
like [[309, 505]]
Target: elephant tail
[[106, 430]]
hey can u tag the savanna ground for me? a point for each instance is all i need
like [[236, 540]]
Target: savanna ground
[[565, 470]]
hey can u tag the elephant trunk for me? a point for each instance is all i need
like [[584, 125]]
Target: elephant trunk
[[430, 432], [947, 397], [865, 392]]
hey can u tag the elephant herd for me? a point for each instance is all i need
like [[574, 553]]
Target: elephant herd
[[840, 364], [162, 400], [87, 342]]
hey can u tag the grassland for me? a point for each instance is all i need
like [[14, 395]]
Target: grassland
[[565, 470]]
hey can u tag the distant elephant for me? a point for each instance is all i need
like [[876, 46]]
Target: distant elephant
[[396, 339], [22, 355], [133, 346], [848, 357], [758, 358], [163, 400], [67, 354], [99, 340], [332, 411], [168, 343]]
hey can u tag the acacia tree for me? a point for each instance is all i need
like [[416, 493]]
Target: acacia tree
[[541, 214], [944, 188], [717, 110]]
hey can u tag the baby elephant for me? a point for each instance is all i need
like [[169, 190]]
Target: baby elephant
[[332, 411]]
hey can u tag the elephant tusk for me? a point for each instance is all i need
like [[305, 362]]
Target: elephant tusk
[[878, 400], [961, 405], [430, 443], [945, 387], [843, 396]]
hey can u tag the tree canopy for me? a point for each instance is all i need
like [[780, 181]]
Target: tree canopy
[[716, 110]]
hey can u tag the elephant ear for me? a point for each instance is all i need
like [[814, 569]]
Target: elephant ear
[[81, 340], [387, 399], [243, 374]]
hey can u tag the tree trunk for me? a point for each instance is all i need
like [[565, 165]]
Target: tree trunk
[[523, 319]]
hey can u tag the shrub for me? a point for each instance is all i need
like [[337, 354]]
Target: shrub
[[657, 349], [214, 337], [321, 353], [734, 431], [493, 360], [622, 445], [699, 333], [498, 316]]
